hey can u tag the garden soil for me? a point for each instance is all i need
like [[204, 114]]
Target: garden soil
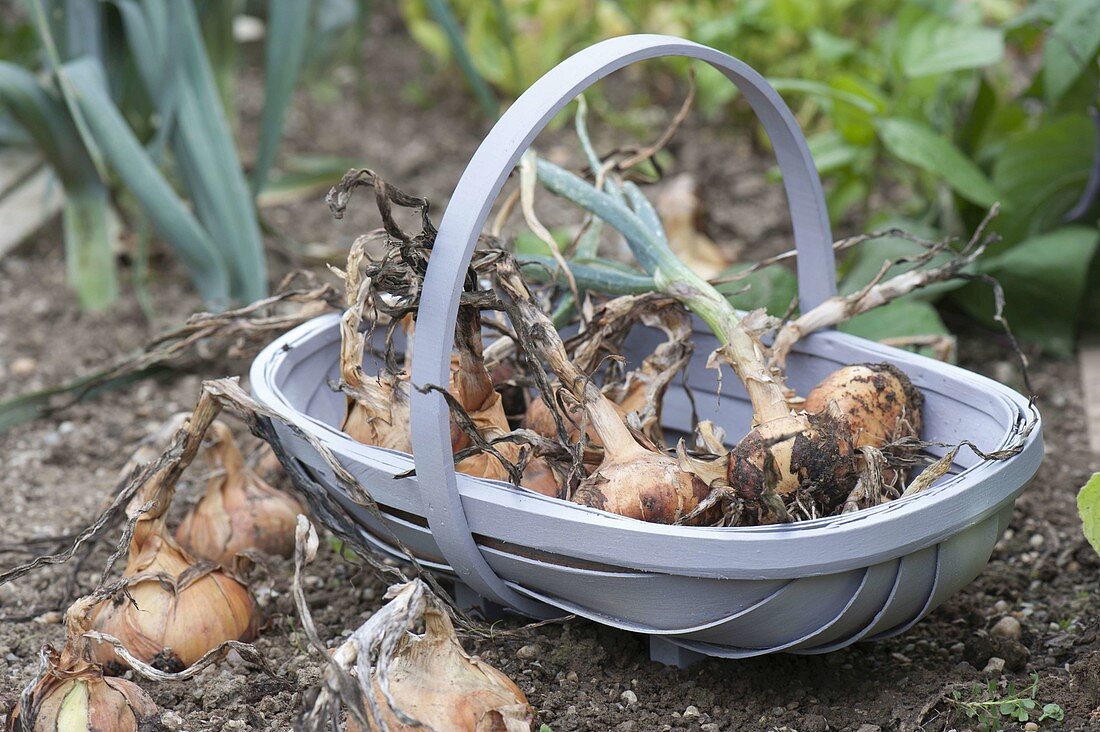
[[56, 473]]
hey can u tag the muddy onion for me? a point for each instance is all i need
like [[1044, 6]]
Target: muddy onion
[[238, 511], [878, 401]]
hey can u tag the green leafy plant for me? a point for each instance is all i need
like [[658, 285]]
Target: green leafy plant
[[919, 114], [1088, 507], [991, 705], [134, 113]]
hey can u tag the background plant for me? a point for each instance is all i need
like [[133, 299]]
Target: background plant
[[131, 104], [920, 114]]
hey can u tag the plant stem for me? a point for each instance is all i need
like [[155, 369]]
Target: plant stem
[[676, 279]]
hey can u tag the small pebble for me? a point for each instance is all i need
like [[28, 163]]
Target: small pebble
[[629, 697], [234, 724], [692, 711], [710, 727], [813, 723], [1001, 607], [23, 366], [571, 676], [1031, 727], [869, 728], [1036, 541], [528, 651], [171, 720], [1007, 627], [995, 666]]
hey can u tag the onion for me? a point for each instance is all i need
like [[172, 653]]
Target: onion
[[813, 453], [238, 512], [472, 386], [377, 408], [178, 608], [878, 401], [637, 398], [174, 608], [634, 479], [433, 680], [73, 694]]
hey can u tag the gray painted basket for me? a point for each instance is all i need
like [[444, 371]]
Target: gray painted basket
[[809, 587]]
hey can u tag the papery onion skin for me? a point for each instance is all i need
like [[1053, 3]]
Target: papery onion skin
[[238, 512], [171, 629], [878, 401], [370, 427], [435, 681], [89, 702]]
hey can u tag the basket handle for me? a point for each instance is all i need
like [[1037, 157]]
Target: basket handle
[[465, 216]]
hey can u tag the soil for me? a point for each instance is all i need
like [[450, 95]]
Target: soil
[[57, 472]]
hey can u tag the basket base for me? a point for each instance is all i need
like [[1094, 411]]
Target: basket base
[[661, 650], [664, 651], [470, 602]]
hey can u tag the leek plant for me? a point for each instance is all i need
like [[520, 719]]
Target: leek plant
[[132, 106]]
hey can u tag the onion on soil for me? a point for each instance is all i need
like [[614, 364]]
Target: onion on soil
[[173, 607], [404, 668], [72, 693], [239, 512]]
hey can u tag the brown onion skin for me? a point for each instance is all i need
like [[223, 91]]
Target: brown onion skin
[[171, 630], [238, 512], [436, 682], [878, 400], [540, 478]]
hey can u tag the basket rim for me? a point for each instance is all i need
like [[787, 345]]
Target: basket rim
[[999, 481]]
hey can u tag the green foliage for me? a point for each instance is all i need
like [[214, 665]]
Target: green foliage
[[954, 105], [1044, 278], [1088, 506], [990, 706], [136, 107]]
